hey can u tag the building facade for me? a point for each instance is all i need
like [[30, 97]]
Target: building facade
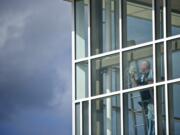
[[126, 67]]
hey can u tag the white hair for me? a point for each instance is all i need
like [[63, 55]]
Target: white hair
[[147, 63]]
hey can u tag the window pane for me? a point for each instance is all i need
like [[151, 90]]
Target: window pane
[[159, 18], [105, 74], [159, 62], [139, 112], [173, 59], [106, 116], [161, 114], [85, 118], [77, 119], [173, 17], [104, 25], [137, 21], [174, 110], [82, 80], [81, 28], [137, 67]]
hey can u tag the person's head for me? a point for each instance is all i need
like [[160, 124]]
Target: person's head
[[145, 66]]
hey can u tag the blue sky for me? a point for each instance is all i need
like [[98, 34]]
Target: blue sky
[[35, 67]]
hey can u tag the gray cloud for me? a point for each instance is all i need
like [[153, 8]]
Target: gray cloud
[[35, 56]]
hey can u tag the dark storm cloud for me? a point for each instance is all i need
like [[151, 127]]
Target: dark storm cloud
[[34, 56]]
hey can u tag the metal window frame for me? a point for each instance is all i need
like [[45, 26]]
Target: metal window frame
[[120, 51]]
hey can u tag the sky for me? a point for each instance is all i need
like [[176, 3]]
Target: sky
[[35, 67]]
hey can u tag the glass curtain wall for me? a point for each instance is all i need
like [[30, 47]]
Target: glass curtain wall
[[130, 77]]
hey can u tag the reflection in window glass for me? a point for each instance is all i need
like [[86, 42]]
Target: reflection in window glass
[[82, 80], [106, 116], [139, 112], [174, 109], [104, 25], [173, 17], [159, 18], [77, 118], [105, 74], [173, 59], [81, 28], [161, 114], [85, 112], [159, 62], [137, 22], [138, 67]]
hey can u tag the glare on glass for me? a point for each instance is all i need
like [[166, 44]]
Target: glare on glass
[[105, 74], [137, 67], [81, 80], [106, 116]]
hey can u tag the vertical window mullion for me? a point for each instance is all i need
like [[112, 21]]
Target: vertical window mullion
[[89, 28], [165, 66], [73, 69], [121, 29], [154, 63], [89, 64]]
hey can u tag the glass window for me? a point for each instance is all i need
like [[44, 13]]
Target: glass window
[[81, 80], [106, 116], [173, 17], [173, 59], [174, 109], [105, 74], [137, 22], [77, 119], [85, 109], [161, 114], [159, 18], [81, 28], [159, 62], [104, 25], [137, 67], [139, 112]]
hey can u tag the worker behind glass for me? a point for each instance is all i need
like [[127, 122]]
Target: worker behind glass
[[146, 77]]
